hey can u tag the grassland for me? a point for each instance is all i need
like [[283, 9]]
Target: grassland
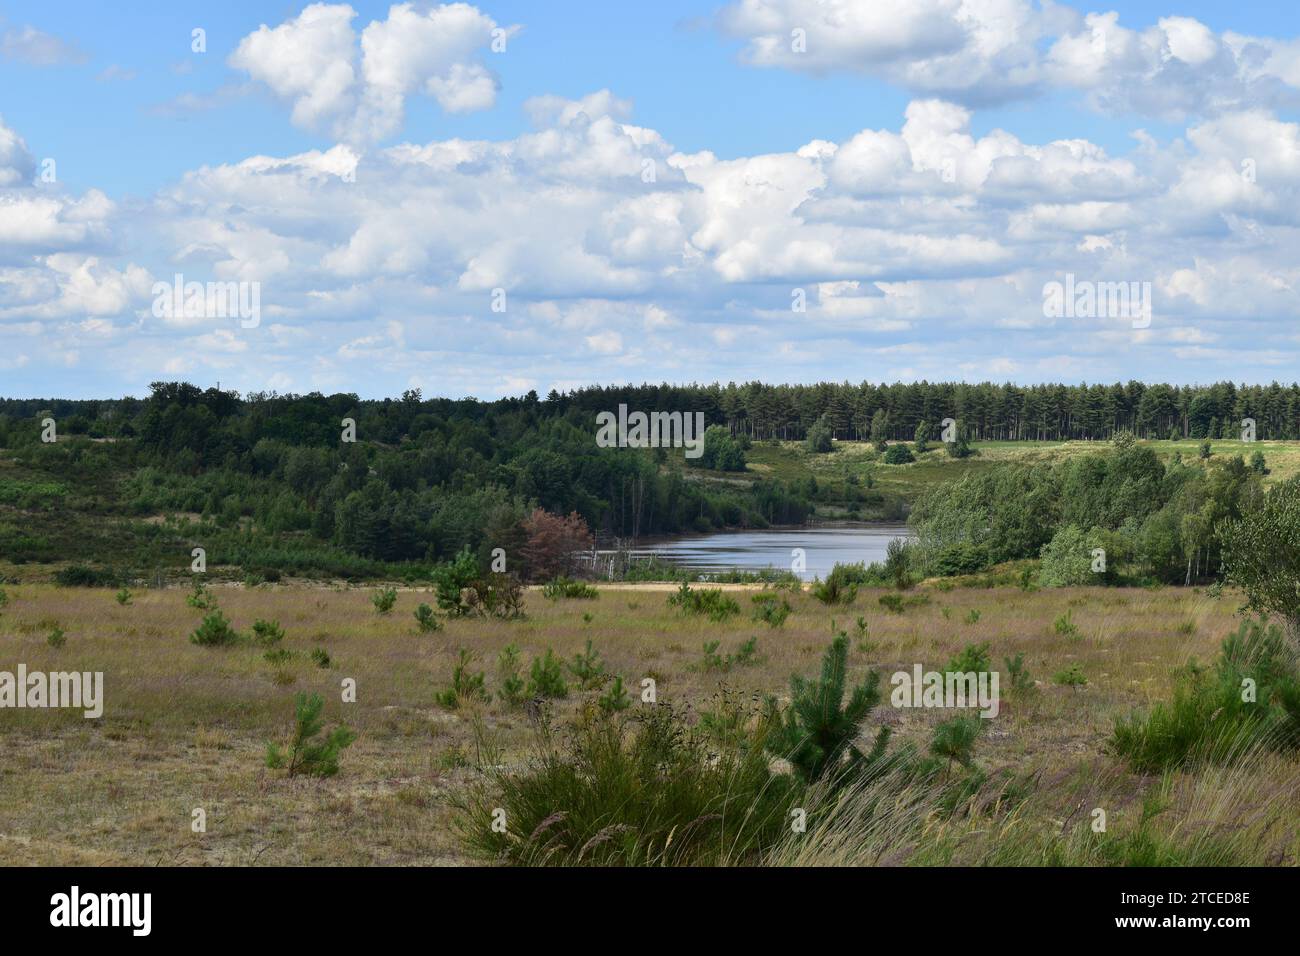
[[186, 727]]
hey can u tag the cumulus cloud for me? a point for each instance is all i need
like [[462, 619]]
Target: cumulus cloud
[[986, 51], [356, 88]]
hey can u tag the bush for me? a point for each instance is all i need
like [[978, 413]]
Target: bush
[[841, 585], [1250, 697], [563, 587], [710, 602], [267, 633], [1071, 676], [1067, 558], [307, 756], [452, 579], [768, 610], [587, 668], [545, 677], [426, 619], [56, 638], [898, 455], [631, 789], [816, 730], [84, 576], [614, 699], [974, 658], [123, 597], [465, 685], [384, 599], [215, 631], [511, 691], [959, 559]]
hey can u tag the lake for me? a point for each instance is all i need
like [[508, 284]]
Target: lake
[[824, 547]]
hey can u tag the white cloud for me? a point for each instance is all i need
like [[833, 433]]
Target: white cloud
[[356, 90]]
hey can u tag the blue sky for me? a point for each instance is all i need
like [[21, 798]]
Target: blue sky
[[919, 174]]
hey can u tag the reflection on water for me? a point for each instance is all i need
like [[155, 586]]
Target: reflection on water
[[824, 547]]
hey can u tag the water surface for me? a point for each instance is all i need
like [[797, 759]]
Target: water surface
[[823, 548]]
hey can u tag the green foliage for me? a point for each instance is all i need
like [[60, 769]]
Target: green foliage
[[819, 440], [320, 657], [898, 603], [974, 658], [815, 732], [267, 633], [1067, 559], [746, 655], [563, 587], [711, 602], [588, 668], [546, 677], [638, 788], [511, 686], [1020, 679], [56, 638], [83, 576], [1249, 698], [721, 451], [954, 740], [215, 631], [898, 563], [384, 599], [307, 755], [1071, 676], [466, 685], [123, 597], [615, 698], [454, 577], [200, 597], [426, 619], [767, 609], [1065, 626], [1261, 553], [898, 455]]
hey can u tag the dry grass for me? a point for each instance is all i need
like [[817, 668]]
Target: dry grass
[[185, 726]]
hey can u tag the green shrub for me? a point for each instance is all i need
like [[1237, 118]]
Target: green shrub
[[587, 668], [1071, 676], [320, 657], [1065, 626], [123, 597], [768, 610], [1018, 673], [1249, 697], [308, 756], [974, 658], [200, 597], [817, 729], [565, 588], [898, 455], [267, 633], [511, 691], [215, 631], [56, 638], [958, 559], [384, 599], [465, 684], [451, 580], [546, 678], [710, 602], [638, 788], [426, 619], [84, 576], [614, 699]]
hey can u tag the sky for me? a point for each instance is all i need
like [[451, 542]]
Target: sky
[[482, 199]]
